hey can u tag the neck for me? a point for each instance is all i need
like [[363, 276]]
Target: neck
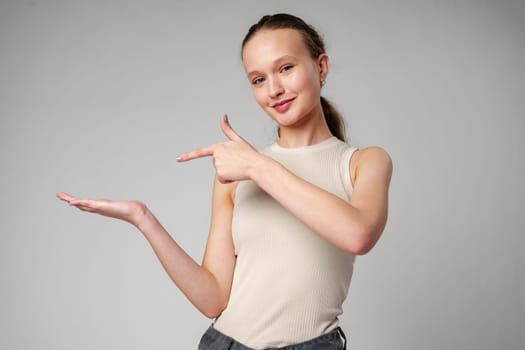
[[312, 131]]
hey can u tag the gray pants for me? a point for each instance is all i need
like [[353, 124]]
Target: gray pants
[[215, 340]]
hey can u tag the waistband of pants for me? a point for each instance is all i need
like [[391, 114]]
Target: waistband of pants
[[214, 339]]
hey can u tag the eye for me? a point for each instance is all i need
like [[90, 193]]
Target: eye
[[257, 81], [286, 68]]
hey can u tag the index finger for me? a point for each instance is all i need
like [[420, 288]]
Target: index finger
[[198, 153], [65, 197]]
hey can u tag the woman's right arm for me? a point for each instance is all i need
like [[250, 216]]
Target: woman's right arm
[[208, 285]]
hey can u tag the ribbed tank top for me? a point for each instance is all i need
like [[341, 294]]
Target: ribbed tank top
[[289, 284]]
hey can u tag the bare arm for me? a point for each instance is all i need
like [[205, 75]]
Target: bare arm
[[354, 226], [208, 285]]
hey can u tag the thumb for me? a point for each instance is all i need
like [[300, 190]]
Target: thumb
[[228, 130]]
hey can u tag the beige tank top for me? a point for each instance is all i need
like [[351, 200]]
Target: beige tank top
[[289, 284]]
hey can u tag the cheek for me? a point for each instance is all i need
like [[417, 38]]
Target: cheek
[[296, 82], [302, 82], [259, 97]]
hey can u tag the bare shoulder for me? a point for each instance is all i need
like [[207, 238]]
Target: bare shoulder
[[371, 160], [372, 154]]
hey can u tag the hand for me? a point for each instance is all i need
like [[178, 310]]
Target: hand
[[130, 211], [233, 159]]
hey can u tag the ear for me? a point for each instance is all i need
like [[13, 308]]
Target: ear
[[323, 63]]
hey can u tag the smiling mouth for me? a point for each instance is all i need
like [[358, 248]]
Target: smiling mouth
[[283, 106], [283, 102]]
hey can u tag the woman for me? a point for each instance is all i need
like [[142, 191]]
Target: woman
[[287, 221]]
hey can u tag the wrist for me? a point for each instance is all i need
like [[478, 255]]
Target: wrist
[[261, 166], [141, 216]]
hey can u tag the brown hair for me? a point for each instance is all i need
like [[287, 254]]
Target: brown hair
[[315, 45]]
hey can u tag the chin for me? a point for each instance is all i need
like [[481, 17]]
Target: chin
[[287, 122], [281, 118]]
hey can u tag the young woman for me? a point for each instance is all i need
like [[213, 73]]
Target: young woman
[[286, 221]]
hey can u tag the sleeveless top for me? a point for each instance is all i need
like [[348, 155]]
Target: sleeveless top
[[289, 284]]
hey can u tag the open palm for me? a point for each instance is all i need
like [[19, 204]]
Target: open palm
[[124, 210]]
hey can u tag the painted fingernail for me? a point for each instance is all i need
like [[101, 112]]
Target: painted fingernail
[[226, 118], [178, 159]]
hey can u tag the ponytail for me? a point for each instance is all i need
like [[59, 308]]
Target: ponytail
[[334, 120]]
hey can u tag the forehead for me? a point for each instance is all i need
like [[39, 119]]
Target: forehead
[[268, 45]]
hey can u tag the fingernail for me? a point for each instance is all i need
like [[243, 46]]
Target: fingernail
[[226, 118], [178, 159]]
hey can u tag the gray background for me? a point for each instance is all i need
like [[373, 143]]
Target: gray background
[[98, 98]]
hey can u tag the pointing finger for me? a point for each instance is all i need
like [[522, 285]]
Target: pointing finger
[[65, 197], [198, 153]]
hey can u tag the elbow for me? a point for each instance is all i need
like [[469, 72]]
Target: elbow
[[211, 314], [361, 247], [213, 311], [362, 241]]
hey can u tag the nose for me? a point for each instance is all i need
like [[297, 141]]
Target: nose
[[275, 88]]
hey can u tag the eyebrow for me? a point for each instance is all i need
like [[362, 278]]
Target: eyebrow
[[280, 59]]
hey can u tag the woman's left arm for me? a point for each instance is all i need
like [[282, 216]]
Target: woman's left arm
[[354, 226]]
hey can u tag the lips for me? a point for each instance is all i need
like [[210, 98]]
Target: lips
[[283, 106]]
